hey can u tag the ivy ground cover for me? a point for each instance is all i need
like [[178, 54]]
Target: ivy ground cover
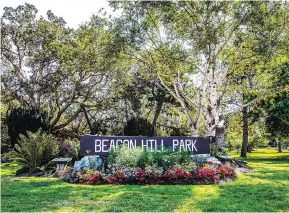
[[266, 189]]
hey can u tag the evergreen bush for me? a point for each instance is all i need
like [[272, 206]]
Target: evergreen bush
[[36, 150]]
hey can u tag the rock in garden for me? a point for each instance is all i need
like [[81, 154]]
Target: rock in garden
[[91, 162], [206, 158], [244, 170]]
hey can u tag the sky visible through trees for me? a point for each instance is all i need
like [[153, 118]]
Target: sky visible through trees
[[182, 68]]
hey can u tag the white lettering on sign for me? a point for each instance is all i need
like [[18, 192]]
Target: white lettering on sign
[[142, 144], [112, 145], [188, 144], [105, 145], [126, 143], [193, 146], [175, 144], [182, 145], [97, 145], [132, 144], [118, 142], [151, 140]]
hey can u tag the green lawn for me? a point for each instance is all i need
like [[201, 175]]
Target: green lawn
[[266, 189]]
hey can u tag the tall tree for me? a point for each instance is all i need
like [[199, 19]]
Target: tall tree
[[51, 67], [254, 58], [188, 46], [277, 109], [183, 44]]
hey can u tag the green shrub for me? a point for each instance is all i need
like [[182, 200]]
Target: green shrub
[[69, 149], [141, 158], [215, 151], [128, 157], [168, 158], [145, 158], [138, 126], [19, 121], [5, 144], [36, 150]]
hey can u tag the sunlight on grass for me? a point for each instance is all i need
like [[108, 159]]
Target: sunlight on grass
[[9, 169], [204, 192], [265, 189], [263, 153], [70, 209], [187, 205], [249, 179], [112, 196]]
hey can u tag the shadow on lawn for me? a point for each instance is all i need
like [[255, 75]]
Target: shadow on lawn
[[263, 190], [282, 159], [249, 198], [60, 196]]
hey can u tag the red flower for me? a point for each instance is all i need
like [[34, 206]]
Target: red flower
[[141, 179], [111, 179]]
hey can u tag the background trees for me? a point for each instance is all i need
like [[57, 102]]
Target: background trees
[[277, 110], [21, 121], [203, 53], [255, 59], [186, 68], [50, 67]]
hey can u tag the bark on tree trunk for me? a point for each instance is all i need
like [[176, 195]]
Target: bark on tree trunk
[[279, 145], [245, 132], [87, 120], [220, 136], [156, 116]]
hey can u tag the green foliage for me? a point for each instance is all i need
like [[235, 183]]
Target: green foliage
[[167, 158], [277, 109], [36, 150], [68, 67], [21, 120], [5, 144], [138, 157], [69, 149], [258, 136], [137, 127], [128, 157], [145, 158], [215, 151], [162, 68]]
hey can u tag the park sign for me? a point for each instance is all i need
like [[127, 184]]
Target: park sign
[[100, 145]]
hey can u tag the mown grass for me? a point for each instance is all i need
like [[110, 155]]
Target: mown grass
[[266, 189]]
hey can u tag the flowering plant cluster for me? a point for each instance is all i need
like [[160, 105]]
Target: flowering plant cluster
[[68, 149], [225, 171], [127, 166], [178, 174], [84, 176], [214, 174]]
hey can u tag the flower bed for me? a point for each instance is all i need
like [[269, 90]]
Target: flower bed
[[152, 175], [144, 167]]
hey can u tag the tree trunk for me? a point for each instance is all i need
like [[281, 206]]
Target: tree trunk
[[279, 145], [220, 137], [245, 132], [87, 120], [156, 116]]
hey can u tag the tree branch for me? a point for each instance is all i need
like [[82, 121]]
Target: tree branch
[[60, 126]]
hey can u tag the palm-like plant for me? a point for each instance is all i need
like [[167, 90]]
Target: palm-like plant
[[36, 150]]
